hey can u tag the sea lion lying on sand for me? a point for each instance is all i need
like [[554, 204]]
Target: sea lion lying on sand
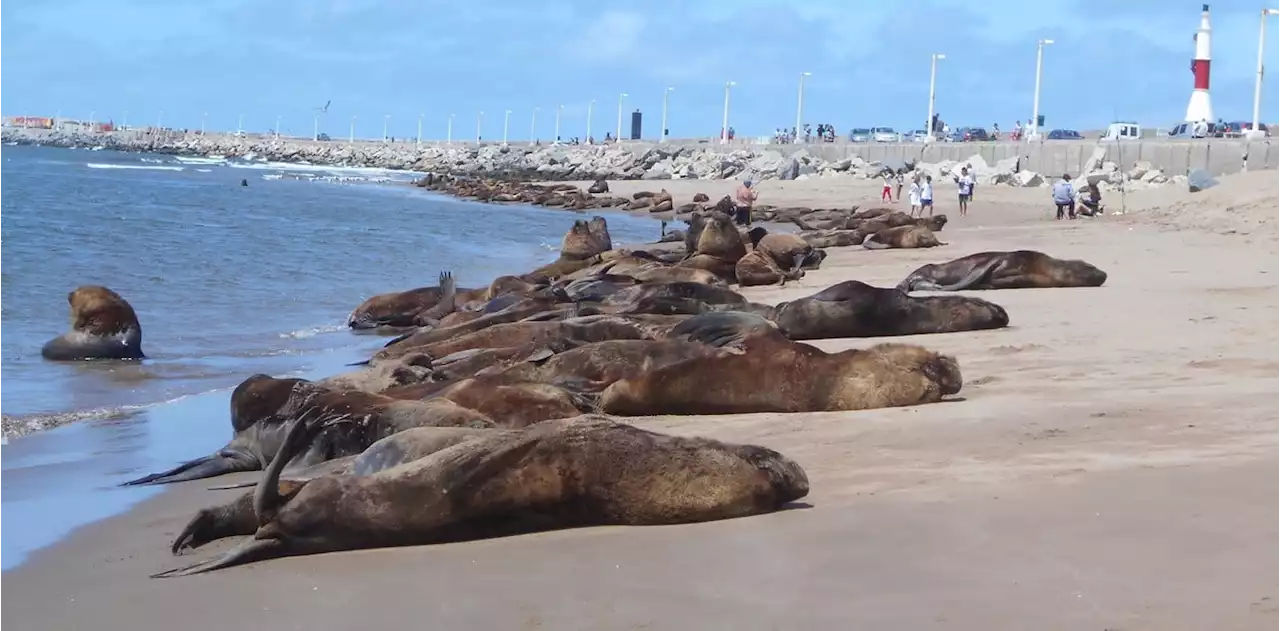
[[584, 471], [1004, 270], [401, 308], [237, 517], [775, 374], [856, 309], [103, 326], [593, 367], [903, 237], [264, 408]]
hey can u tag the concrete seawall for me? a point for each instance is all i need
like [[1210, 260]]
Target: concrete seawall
[[1050, 157]]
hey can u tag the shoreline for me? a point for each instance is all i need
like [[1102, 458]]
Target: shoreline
[[929, 513]]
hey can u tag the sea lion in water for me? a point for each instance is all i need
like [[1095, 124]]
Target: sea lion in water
[[775, 374], [586, 239], [856, 309], [583, 471], [400, 309], [103, 326], [913, 236], [237, 517], [1019, 269]]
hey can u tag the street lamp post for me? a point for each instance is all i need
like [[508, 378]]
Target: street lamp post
[[479, 117], [800, 106], [448, 139], [1257, 83], [590, 106], [240, 126], [386, 120], [202, 117], [125, 123], [933, 79], [351, 137], [533, 127], [418, 144], [506, 125], [665, 93], [559, 109], [724, 125], [1035, 101], [315, 128], [160, 119], [277, 126], [618, 136]]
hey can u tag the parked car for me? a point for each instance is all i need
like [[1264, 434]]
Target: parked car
[[1187, 130], [884, 134], [969, 134], [1239, 129], [1122, 131], [322, 137], [1065, 134], [859, 134], [918, 135]]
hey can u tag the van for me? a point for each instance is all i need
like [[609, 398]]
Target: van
[[1122, 131]]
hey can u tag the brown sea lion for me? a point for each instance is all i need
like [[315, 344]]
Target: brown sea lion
[[700, 198], [789, 251], [401, 308], [757, 268], [902, 237], [237, 517], [588, 470], [718, 245], [896, 219], [585, 329], [833, 238], [856, 309], [1004, 270], [598, 187], [103, 326], [586, 239], [408, 370], [514, 404], [593, 367], [775, 374], [257, 432]]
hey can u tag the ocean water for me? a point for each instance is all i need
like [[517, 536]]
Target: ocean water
[[227, 280]]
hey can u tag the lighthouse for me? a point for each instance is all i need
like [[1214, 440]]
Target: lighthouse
[[1199, 107]]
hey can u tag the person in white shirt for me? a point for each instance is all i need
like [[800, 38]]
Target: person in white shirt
[[965, 182], [926, 195], [914, 195]]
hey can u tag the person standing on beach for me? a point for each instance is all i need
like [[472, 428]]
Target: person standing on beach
[[898, 181], [926, 195], [886, 193], [914, 194], [746, 197], [965, 182], [1064, 196]]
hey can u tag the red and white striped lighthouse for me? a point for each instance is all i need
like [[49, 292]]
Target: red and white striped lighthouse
[[1199, 108]]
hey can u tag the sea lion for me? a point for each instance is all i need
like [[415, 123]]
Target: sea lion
[[263, 411], [588, 470], [700, 198], [586, 239], [856, 309], [718, 246], [832, 238], [757, 268], [913, 236], [257, 433], [103, 326], [600, 186], [594, 328], [1004, 270], [789, 251], [237, 517], [775, 374], [593, 367], [410, 369], [514, 404], [399, 309]]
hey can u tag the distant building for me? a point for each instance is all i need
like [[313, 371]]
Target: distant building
[[35, 122]]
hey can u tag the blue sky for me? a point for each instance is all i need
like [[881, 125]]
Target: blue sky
[[870, 62]]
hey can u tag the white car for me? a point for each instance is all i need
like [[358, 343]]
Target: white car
[[884, 134], [918, 135]]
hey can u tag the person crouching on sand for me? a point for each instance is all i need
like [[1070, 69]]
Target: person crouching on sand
[[746, 197], [1064, 196]]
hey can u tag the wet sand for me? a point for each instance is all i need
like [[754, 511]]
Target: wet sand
[[1111, 464]]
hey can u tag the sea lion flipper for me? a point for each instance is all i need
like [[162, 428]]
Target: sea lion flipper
[[204, 467], [974, 277], [248, 552]]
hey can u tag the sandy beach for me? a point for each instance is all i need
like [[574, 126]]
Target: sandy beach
[[1109, 464]]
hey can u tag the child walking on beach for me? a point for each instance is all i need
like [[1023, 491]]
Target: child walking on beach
[[914, 195], [886, 193], [926, 195]]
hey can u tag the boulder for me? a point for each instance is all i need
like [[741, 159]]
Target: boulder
[[1199, 179], [1139, 170], [1027, 179]]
